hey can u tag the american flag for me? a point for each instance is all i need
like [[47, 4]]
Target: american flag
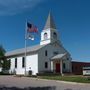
[[31, 28]]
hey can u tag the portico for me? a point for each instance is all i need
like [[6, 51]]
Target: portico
[[58, 63]]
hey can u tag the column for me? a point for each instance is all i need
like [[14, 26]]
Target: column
[[52, 68], [61, 67]]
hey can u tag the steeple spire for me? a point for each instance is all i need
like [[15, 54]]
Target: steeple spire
[[50, 22], [49, 33]]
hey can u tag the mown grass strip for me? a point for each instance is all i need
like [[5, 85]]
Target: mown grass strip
[[79, 79]]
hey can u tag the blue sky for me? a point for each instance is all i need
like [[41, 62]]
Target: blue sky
[[72, 18]]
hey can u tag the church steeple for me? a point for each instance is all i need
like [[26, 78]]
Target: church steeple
[[50, 22], [49, 33]]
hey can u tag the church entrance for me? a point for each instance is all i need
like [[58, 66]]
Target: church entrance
[[57, 67]]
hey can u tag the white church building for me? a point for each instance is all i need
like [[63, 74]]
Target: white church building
[[48, 56]]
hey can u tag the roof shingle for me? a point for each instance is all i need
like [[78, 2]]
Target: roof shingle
[[21, 51], [50, 22]]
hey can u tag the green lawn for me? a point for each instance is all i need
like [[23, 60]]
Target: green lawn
[[80, 79]]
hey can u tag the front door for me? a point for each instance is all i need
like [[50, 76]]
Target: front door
[[57, 67]]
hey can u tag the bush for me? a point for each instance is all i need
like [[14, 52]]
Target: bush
[[88, 78]]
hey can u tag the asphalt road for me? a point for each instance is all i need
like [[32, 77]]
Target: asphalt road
[[38, 84]]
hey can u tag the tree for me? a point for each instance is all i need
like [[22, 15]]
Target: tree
[[4, 63], [2, 51]]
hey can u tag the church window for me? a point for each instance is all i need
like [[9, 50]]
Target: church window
[[45, 36], [46, 53], [67, 58], [15, 62], [64, 66], [23, 62], [54, 35], [46, 64]]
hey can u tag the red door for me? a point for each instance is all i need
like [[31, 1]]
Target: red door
[[57, 67]]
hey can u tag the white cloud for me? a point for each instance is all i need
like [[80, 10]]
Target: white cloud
[[9, 7]]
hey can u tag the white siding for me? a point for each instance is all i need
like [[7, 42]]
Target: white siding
[[51, 49], [12, 67], [67, 65], [42, 58], [19, 69], [32, 63], [45, 42]]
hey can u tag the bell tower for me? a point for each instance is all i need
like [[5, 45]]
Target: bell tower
[[49, 33]]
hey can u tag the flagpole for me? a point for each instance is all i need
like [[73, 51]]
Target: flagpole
[[25, 45], [31, 38]]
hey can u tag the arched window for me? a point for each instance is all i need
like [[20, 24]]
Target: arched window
[[46, 53], [45, 36], [54, 35], [46, 64]]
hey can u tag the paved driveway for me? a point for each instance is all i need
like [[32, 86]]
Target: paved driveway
[[39, 84]]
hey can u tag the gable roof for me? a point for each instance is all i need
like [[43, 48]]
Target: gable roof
[[22, 50], [59, 56], [50, 22]]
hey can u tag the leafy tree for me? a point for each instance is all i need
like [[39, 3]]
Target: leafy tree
[[2, 51], [4, 63]]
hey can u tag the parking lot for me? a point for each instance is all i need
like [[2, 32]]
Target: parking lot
[[27, 83]]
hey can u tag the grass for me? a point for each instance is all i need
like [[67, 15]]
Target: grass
[[2, 73], [79, 79]]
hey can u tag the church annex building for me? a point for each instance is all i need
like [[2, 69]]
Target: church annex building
[[48, 56]]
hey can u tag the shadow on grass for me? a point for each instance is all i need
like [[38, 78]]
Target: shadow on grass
[[28, 88]]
